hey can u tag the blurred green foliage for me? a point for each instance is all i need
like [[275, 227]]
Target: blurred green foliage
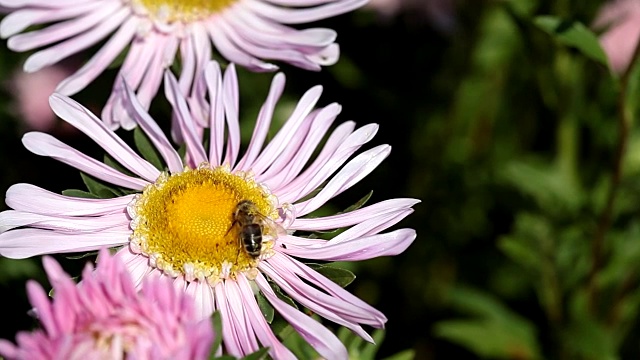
[[522, 145]]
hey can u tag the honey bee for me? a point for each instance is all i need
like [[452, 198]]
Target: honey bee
[[253, 225]]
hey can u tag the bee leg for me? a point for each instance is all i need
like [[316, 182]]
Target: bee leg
[[240, 245], [230, 227]]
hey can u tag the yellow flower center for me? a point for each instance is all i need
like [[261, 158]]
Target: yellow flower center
[[189, 224], [184, 11]]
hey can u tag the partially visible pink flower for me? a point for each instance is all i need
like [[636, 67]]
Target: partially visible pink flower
[[104, 317], [621, 19], [31, 93], [152, 34]]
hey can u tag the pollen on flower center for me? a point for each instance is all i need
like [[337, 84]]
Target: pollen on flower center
[[184, 11], [186, 223]]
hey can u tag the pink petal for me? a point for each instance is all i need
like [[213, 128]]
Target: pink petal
[[156, 135], [203, 295], [229, 334], [301, 15], [10, 219], [137, 265], [62, 50], [323, 283], [352, 217], [322, 340], [231, 51], [62, 30], [288, 130], [245, 331], [46, 145], [292, 161], [263, 122], [276, 35], [247, 41], [81, 118], [30, 198], [372, 226], [260, 325], [231, 104], [40, 300], [213, 78], [177, 100], [364, 248], [342, 143], [21, 19], [100, 61], [349, 175], [334, 309], [24, 243]]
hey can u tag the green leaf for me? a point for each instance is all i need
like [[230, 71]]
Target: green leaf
[[494, 331], [79, 194], [357, 347], [300, 348], [408, 354], [82, 255], [360, 203], [574, 34], [265, 307], [589, 339], [281, 295], [147, 149], [553, 190], [216, 319], [342, 277], [108, 160], [258, 355], [11, 269], [98, 188]]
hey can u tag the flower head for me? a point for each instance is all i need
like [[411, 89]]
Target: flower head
[[32, 91], [223, 226], [105, 317], [621, 19], [153, 33]]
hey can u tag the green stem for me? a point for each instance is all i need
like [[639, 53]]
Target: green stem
[[625, 118]]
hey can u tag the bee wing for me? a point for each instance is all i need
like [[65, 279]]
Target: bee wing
[[274, 229]]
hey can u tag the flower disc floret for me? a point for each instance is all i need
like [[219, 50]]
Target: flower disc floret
[[184, 11], [185, 222]]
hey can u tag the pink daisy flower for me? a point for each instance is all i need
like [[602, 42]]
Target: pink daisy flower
[[621, 21], [105, 317], [225, 227], [153, 33]]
